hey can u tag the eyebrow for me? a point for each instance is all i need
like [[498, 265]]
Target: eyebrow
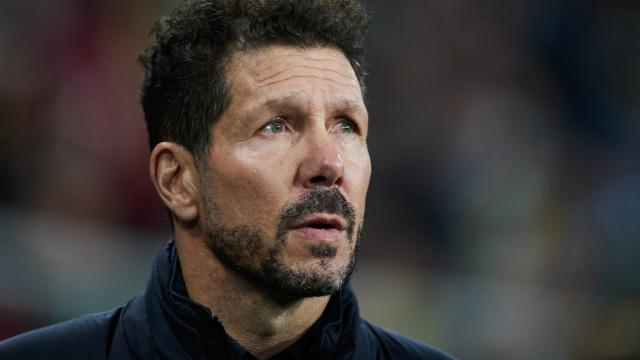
[[341, 104], [350, 106]]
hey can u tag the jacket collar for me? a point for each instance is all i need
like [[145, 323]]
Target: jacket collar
[[182, 328]]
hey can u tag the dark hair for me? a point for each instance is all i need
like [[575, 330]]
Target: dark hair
[[185, 89]]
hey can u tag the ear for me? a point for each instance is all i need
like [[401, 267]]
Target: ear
[[175, 177]]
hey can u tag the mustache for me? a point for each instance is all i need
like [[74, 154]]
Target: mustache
[[318, 200]]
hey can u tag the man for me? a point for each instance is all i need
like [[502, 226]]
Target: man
[[258, 131]]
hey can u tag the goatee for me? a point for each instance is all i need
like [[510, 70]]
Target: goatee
[[244, 249]]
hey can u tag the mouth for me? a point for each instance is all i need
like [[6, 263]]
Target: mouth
[[320, 227], [322, 222]]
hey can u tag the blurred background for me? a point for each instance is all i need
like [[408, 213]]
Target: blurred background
[[503, 217]]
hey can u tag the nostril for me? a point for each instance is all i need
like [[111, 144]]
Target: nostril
[[318, 179]]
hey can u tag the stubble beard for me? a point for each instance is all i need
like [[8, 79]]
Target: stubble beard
[[244, 249]]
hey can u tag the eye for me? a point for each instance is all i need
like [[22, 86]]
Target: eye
[[346, 126], [275, 126]]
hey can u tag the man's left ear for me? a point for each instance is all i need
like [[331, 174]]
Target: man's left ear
[[174, 175]]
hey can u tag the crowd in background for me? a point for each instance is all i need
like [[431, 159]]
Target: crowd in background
[[503, 217]]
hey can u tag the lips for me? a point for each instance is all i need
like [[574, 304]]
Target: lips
[[320, 228], [321, 222], [319, 214]]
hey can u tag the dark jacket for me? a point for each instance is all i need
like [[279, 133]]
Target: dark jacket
[[163, 323]]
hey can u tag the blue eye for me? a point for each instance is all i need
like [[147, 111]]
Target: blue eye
[[276, 126], [346, 126]]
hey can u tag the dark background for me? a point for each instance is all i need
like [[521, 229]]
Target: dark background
[[503, 217]]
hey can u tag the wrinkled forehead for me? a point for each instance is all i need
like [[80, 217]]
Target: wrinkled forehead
[[271, 68]]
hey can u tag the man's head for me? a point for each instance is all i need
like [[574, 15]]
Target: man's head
[[258, 127], [186, 88]]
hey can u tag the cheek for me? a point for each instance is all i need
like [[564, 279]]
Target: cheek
[[248, 189], [358, 174]]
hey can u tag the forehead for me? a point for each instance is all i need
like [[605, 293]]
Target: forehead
[[274, 73]]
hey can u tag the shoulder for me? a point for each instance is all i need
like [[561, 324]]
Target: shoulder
[[85, 337], [388, 344]]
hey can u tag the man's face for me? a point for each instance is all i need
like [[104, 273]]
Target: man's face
[[284, 184]]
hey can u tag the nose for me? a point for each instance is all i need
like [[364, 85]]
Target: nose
[[322, 164]]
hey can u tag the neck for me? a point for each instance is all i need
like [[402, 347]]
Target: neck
[[257, 319]]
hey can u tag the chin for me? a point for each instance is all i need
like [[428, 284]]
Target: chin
[[315, 276]]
